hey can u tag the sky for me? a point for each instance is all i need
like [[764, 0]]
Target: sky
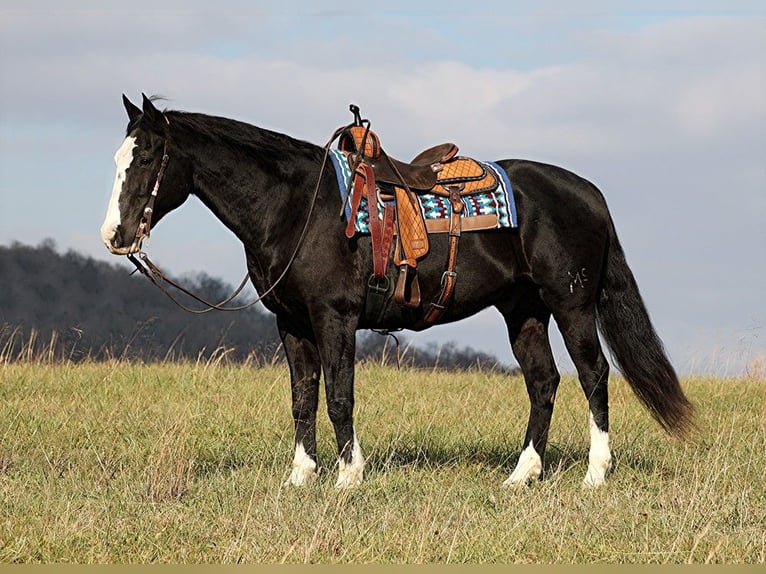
[[661, 104]]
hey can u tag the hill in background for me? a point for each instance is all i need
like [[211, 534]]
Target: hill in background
[[73, 307]]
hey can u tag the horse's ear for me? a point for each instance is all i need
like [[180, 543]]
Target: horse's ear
[[133, 110], [150, 112]]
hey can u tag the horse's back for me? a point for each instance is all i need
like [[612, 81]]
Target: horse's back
[[554, 190]]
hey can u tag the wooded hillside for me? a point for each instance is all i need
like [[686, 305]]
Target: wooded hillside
[[75, 307]]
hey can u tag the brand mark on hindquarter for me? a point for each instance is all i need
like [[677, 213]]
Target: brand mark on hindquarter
[[577, 279]]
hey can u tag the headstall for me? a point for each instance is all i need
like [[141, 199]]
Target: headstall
[[145, 266]]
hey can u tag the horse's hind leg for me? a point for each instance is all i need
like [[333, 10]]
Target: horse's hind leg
[[578, 329], [527, 322]]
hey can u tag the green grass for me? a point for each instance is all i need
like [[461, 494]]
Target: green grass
[[185, 463]]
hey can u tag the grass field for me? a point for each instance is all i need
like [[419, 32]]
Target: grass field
[[185, 463]]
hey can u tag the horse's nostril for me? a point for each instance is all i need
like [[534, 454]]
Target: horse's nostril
[[111, 236], [117, 237]]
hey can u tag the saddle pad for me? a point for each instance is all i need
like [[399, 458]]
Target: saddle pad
[[489, 210]]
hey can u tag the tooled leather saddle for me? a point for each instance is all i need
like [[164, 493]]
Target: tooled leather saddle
[[437, 170]]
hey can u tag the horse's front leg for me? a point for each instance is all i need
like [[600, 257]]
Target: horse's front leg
[[336, 339], [305, 367]]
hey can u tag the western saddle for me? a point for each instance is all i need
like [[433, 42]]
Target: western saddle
[[437, 170]]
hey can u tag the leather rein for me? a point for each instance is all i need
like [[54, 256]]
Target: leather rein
[[147, 268]]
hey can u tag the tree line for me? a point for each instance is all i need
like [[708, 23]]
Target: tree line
[[70, 306]]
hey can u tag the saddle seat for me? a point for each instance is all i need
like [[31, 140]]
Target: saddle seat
[[433, 170]]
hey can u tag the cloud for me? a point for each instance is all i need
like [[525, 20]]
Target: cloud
[[667, 117], [678, 82]]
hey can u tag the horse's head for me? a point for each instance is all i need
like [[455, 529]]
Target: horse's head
[[138, 200]]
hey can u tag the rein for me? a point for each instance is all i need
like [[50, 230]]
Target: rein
[[147, 268]]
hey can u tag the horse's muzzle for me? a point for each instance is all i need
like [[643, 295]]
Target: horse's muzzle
[[115, 243]]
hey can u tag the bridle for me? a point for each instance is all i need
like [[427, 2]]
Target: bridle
[[145, 225], [147, 268]]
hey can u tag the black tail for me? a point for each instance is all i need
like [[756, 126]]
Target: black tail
[[636, 349]]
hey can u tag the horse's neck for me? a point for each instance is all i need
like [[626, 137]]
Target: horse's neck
[[259, 195]]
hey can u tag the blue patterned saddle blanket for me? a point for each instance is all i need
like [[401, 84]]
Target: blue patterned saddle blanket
[[491, 210]]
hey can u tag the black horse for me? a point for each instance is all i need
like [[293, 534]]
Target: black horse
[[564, 260]]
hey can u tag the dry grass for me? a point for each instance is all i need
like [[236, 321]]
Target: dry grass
[[120, 462]]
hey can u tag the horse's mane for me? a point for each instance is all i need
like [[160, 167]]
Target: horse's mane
[[236, 134]]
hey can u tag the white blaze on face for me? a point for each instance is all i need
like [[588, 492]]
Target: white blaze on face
[[122, 159]]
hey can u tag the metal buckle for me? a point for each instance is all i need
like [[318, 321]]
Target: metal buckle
[[378, 284], [446, 275]]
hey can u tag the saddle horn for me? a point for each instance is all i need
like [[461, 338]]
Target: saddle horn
[[358, 139], [358, 121]]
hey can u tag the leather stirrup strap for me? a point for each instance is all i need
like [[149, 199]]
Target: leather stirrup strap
[[380, 263], [379, 285], [449, 278], [381, 232], [363, 176], [382, 248]]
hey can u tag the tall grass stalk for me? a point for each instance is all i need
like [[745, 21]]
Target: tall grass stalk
[[186, 462]]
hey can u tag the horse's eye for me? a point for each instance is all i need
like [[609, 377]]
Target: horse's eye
[[144, 161]]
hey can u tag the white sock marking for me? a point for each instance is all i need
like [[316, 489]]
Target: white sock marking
[[599, 456], [528, 468], [351, 474], [123, 158], [304, 468]]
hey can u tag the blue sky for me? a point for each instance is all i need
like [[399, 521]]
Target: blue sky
[[660, 104]]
